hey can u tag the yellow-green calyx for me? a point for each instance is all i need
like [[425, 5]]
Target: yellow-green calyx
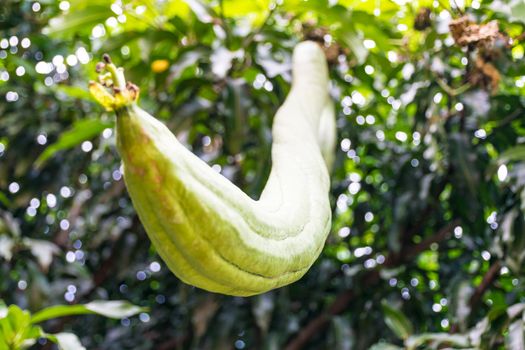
[[210, 233], [112, 91]]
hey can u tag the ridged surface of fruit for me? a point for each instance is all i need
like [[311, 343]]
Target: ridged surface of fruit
[[209, 232]]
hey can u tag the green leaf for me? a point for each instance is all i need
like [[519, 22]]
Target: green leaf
[[4, 200], [114, 309], [385, 346], [81, 131], [437, 339], [3, 344], [350, 37], [397, 321], [255, 9], [75, 92], [16, 329], [80, 19], [111, 309], [18, 318], [6, 330], [66, 341], [59, 311], [203, 12], [512, 154], [428, 261]]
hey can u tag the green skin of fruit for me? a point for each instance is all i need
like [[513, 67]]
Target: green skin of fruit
[[209, 232]]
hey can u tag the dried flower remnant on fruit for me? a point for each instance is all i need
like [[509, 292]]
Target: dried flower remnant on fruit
[[112, 91]]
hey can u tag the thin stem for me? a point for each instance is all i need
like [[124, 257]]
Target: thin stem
[[113, 92], [491, 275], [453, 92], [249, 39]]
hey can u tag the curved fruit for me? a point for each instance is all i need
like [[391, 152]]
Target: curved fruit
[[210, 233]]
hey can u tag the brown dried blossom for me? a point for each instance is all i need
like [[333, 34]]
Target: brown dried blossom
[[465, 32]]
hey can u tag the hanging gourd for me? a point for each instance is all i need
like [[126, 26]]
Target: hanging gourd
[[210, 233]]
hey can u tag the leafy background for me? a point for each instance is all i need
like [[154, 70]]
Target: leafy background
[[428, 235]]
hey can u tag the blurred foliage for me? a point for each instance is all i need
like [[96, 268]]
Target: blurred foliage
[[18, 330], [428, 236]]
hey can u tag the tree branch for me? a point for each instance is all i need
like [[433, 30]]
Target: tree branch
[[489, 278]]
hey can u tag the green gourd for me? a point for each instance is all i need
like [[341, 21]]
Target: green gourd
[[209, 232]]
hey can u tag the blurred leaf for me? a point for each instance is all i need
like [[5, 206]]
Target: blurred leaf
[[459, 306], [234, 8], [397, 321], [16, 329], [348, 35], [221, 60], [6, 247], [186, 60], [515, 310], [81, 131], [112, 309], [464, 160], [202, 315], [66, 341], [385, 346], [436, 339], [59, 311], [4, 200], [515, 338], [10, 224], [3, 309], [203, 12], [79, 19], [428, 261], [262, 308], [42, 250], [516, 153], [343, 334], [74, 92], [517, 10]]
